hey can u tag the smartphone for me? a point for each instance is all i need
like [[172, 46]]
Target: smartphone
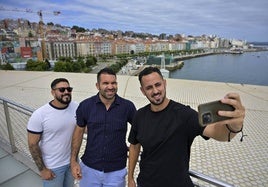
[[208, 112]]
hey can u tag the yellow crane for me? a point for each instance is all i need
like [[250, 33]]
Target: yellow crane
[[43, 55]]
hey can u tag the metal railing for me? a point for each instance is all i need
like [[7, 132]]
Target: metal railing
[[13, 124], [13, 132]]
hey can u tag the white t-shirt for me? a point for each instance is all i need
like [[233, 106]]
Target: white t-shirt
[[56, 128]]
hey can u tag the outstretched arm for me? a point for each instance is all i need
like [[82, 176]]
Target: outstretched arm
[[224, 130]]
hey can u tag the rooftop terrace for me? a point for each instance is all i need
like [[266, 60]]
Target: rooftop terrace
[[239, 163]]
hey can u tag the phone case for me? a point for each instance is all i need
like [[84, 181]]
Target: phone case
[[208, 112]]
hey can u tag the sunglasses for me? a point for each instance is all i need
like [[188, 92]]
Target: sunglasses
[[62, 89]]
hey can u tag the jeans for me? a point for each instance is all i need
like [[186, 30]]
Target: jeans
[[95, 178], [63, 178]]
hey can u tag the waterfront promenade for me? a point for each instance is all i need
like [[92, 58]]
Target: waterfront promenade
[[239, 163], [215, 52]]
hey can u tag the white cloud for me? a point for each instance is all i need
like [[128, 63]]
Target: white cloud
[[223, 18]]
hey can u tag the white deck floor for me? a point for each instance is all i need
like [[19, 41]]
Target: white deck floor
[[242, 164]]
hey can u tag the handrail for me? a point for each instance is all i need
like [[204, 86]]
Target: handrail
[[9, 128], [19, 106], [9, 104], [209, 179]]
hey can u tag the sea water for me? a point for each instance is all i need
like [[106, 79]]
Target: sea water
[[246, 68]]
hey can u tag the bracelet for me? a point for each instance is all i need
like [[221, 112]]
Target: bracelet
[[235, 132]]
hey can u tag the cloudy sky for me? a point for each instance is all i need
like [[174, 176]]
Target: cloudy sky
[[239, 19]]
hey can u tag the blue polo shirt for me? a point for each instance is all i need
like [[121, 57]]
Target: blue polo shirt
[[106, 148]]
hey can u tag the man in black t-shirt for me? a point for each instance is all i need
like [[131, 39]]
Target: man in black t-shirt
[[166, 129]]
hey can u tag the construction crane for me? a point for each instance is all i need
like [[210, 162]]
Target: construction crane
[[42, 34], [43, 55]]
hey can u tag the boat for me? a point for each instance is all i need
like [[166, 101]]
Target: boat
[[234, 51]]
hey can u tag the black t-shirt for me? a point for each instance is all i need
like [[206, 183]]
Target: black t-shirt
[[166, 138]]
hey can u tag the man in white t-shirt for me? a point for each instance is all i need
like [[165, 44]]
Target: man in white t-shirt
[[50, 131]]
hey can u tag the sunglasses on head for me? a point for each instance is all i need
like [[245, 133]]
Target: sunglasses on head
[[62, 89]]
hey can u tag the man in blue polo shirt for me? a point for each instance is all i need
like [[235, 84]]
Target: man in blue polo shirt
[[106, 116]]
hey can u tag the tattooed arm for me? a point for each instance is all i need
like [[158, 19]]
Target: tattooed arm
[[33, 143]]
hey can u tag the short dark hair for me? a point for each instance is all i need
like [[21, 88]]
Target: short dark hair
[[58, 80], [105, 71], [149, 70]]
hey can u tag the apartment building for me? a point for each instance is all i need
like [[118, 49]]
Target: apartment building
[[121, 47], [60, 48], [85, 47], [69, 44]]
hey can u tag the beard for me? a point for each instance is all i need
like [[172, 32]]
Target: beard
[[108, 96], [65, 99], [158, 101]]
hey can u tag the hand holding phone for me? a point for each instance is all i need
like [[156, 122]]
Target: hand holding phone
[[208, 112]]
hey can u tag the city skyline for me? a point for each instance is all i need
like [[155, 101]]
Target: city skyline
[[242, 19]]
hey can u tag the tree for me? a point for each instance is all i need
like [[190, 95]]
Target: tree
[[60, 67], [76, 67], [7, 66], [78, 29], [91, 60], [50, 24], [30, 34], [65, 59], [36, 65], [178, 37]]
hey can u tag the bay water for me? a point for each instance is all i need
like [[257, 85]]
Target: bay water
[[246, 68]]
